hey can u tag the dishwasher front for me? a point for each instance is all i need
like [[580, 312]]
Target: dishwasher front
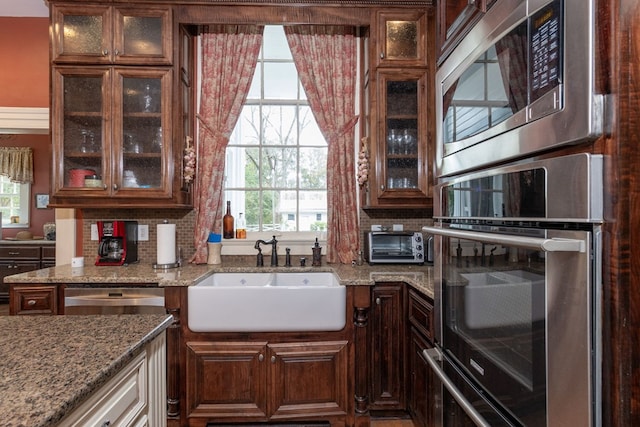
[[114, 300]]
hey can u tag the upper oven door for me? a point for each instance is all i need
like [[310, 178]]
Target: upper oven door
[[514, 312], [522, 81]]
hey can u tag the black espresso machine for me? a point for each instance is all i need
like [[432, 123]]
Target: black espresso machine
[[118, 242]]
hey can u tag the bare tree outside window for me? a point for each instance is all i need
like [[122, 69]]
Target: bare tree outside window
[[276, 160]]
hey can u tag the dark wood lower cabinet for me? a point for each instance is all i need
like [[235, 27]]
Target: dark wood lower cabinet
[[387, 357], [421, 378], [260, 381], [421, 400]]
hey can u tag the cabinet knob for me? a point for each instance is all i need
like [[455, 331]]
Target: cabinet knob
[[116, 52], [378, 301], [31, 302], [260, 357], [104, 186], [273, 359], [115, 186], [381, 55], [105, 52], [382, 186]]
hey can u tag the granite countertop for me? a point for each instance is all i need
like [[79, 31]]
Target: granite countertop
[[419, 276], [38, 242], [51, 364]]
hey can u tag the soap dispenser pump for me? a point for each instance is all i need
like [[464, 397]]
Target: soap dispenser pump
[[317, 254]]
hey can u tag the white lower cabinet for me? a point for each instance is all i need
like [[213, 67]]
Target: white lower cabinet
[[135, 397]]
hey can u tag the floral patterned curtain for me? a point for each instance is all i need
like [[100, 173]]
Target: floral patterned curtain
[[16, 163], [326, 60], [229, 57]]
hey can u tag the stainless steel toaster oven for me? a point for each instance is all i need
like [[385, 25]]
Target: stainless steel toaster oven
[[395, 247]]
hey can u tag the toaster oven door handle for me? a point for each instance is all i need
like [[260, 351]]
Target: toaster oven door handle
[[546, 245], [432, 357]]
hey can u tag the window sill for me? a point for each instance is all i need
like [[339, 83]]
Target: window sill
[[299, 243]]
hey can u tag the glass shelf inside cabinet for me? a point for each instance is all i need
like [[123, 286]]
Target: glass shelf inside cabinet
[[82, 131], [142, 135]]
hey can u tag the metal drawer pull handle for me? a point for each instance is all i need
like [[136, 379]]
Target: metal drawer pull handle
[[378, 301], [273, 359], [546, 245], [462, 401], [260, 357], [31, 302], [14, 253]]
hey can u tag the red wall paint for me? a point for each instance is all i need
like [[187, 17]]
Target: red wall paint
[[24, 74], [24, 82]]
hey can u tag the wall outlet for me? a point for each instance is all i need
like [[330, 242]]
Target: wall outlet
[[143, 233], [94, 232]]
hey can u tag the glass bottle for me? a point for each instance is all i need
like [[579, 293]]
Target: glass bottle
[[241, 227], [227, 223]]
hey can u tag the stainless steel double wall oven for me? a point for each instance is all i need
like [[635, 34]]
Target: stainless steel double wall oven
[[517, 294], [517, 230]]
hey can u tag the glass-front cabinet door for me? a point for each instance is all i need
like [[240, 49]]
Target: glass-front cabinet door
[[80, 134], [401, 39], [141, 120], [103, 34], [111, 132], [401, 146]]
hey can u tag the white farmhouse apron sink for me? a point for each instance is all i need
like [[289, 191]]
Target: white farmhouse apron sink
[[267, 302]]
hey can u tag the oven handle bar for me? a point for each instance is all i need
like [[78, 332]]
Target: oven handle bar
[[546, 245], [430, 355]]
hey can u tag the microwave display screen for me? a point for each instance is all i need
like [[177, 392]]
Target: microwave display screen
[[545, 50], [518, 69]]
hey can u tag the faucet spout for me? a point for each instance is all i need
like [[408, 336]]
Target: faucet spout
[[274, 253]]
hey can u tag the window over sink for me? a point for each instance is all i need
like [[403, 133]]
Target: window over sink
[[276, 160]]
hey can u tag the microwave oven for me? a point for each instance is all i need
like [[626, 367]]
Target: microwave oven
[[395, 247], [522, 81]]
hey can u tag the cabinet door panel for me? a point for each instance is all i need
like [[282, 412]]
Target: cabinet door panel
[[401, 39], [81, 34], [387, 348], [226, 380], [308, 379], [79, 133], [143, 36], [421, 400]]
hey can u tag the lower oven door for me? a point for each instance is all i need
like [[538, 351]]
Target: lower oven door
[[462, 404], [514, 315], [114, 301]]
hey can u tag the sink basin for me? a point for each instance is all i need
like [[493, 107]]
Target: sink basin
[[267, 302]]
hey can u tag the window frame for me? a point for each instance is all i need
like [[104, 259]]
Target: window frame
[[25, 205]]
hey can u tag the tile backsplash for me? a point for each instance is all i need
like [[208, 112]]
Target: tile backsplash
[[184, 220], [411, 219]]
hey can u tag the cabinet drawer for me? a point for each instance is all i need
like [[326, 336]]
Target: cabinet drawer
[[48, 253], [421, 314], [20, 252], [35, 300], [119, 402]]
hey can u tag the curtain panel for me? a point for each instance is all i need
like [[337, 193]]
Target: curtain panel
[[16, 163], [229, 57], [326, 60]]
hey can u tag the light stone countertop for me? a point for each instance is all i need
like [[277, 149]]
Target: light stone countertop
[[51, 364], [418, 276]]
